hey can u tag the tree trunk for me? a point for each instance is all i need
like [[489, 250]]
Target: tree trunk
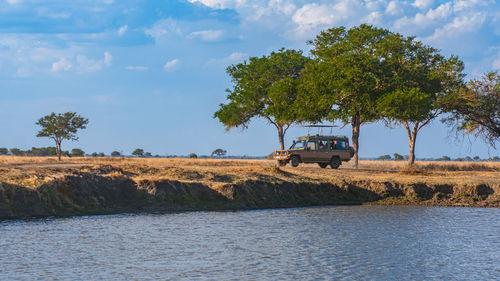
[[281, 136], [356, 123], [58, 150], [412, 137]]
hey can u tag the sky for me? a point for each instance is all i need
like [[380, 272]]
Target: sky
[[150, 74]]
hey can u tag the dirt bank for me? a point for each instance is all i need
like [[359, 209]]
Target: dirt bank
[[125, 186]]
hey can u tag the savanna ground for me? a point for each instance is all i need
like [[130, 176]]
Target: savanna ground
[[31, 172]]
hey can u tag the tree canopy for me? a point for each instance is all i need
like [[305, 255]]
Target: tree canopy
[[264, 87], [62, 126], [476, 108]]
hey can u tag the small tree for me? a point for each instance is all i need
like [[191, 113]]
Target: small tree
[[77, 152], [139, 152], [219, 152], [148, 154], [193, 155], [3, 151], [59, 127], [398, 157], [101, 154], [94, 154], [384, 157], [116, 154]]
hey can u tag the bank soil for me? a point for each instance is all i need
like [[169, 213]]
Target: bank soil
[[107, 188]]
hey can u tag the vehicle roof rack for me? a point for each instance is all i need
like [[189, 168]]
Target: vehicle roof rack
[[320, 128]]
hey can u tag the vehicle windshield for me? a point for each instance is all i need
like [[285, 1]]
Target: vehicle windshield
[[301, 144]]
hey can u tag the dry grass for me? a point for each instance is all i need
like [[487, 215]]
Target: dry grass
[[33, 171]]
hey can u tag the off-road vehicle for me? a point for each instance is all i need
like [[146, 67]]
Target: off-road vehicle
[[324, 150]]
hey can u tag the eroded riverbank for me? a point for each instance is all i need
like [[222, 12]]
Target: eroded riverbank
[[105, 186]]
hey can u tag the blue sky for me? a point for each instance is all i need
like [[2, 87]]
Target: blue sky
[[150, 74]]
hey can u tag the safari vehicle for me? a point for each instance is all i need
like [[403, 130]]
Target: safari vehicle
[[322, 149]]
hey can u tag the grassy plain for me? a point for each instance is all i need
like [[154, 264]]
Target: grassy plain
[[33, 171]]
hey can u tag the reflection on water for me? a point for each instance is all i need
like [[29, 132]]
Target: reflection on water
[[339, 243]]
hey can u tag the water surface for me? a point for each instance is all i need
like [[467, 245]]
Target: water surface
[[326, 243]]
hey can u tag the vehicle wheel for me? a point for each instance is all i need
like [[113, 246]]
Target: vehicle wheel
[[294, 160], [335, 163], [323, 165], [282, 163]]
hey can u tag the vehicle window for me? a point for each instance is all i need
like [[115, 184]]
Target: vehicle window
[[311, 145], [298, 145], [340, 144], [323, 144]]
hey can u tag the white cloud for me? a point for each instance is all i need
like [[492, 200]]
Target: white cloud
[[220, 4], [207, 35], [61, 65], [136, 67], [312, 15], [423, 4], [235, 57], [394, 8], [162, 28], [12, 2], [108, 59], [88, 65], [496, 63], [171, 65], [122, 30], [459, 26]]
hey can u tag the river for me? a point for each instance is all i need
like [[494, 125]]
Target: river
[[321, 243]]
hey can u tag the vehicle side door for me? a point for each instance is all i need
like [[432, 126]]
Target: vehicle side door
[[309, 154]]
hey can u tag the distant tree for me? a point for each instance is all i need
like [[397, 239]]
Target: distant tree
[[77, 152], [94, 154], [459, 159], [116, 154], [384, 157], [422, 80], [264, 87], [101, 154], [16, 151], [468, 158], [476, 108], [139, 152], [444, 158], [147, 154], [477, 158], [59, 127], [398, 157], [219, 152], [3, 151], [495, 158], [193, 155]]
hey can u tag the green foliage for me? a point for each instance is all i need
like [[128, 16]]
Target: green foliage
[[444, 158], [116, 154], [101, 154], [43, 151], [384, 157], [16, 151], [139, 152], [77, 152], [62, 126], [3, 151], [148, 154], [348, 72], [94, 154], [476, 108], [398, 157], [264, 87], [219, 152], [193, 155]]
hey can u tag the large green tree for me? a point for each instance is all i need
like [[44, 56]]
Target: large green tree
[[62, 126], [264, 87], [421, 80], [476, 108], [346, 77]]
